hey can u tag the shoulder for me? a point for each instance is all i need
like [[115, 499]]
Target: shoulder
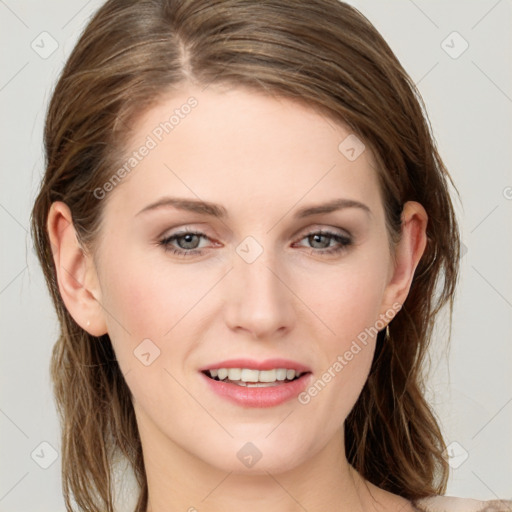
[[452, 504]]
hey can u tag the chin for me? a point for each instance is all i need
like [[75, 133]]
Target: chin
[[257, 455]]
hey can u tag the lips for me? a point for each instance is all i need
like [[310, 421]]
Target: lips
[[253, 383]]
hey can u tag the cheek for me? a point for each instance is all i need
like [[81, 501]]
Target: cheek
[[146, 297], [346, 356], [136, 313], [133, 302], [347, 298], [143, 305]]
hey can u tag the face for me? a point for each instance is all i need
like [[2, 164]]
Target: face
[[261, 282]]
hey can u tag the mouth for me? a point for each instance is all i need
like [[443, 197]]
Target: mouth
[[251, 378], [250, 383]]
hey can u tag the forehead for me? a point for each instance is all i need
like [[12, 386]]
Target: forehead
[[244, 148]]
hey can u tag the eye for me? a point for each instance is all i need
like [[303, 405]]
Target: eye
[[187, 241], [321, 242]]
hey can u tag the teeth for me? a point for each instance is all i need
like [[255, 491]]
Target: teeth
[[253, 378], [267, 376], [246, 375], [281, 374], [290, 374], [234, 374]]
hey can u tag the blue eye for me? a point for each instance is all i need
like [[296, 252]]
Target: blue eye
[[188, 242]]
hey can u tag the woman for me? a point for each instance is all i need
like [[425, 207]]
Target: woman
[[247, 233]]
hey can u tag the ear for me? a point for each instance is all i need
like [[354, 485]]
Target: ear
[[76, 274], [408, 253]]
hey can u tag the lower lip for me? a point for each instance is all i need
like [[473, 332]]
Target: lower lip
[[258, 397]]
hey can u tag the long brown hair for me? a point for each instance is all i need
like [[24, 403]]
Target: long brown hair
[[323, 53]]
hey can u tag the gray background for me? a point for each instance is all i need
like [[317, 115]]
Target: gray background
[[469, 100]]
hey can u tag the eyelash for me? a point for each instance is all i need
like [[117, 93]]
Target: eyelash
[[343, 240]]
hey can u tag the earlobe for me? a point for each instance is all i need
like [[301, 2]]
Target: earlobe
[[76, 276], [408, 251]]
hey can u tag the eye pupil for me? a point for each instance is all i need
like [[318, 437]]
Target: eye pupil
[[317, 238], [189, 239]]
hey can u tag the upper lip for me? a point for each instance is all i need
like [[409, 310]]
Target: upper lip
[[253, 364]]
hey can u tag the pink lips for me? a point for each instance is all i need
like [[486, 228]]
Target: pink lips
[[258, 396]]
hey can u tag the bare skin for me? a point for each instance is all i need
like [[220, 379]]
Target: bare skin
[[262, 159]]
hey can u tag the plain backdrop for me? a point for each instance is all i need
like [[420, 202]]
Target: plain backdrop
[[460, 55]]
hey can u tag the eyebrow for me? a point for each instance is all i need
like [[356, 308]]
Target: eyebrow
[[218, 211]]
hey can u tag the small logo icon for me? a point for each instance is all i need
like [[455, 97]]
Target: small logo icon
[[146, 352], [44, 455], [351, 147], [455, 454], [454, 45], [249, 455], [44, 45], [249, 249]]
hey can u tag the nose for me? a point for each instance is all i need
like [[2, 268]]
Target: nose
[[259, 300]]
